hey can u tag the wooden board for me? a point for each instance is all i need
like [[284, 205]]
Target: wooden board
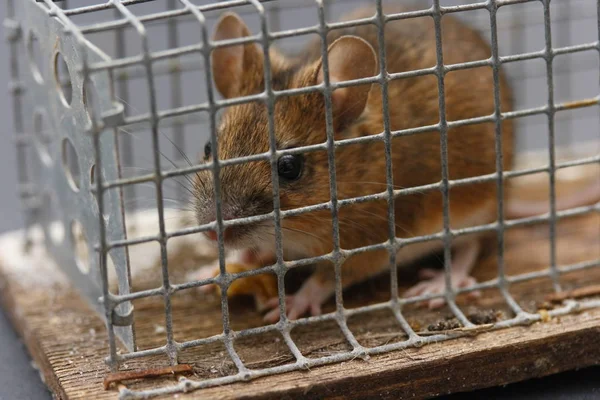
[[68, 342]]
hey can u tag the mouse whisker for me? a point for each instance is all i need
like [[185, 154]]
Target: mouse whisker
[[301, 231], [179, 150], [151, 185], [162, 154], [353, 225]]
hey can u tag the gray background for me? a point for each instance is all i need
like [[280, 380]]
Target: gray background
[[521, 30]]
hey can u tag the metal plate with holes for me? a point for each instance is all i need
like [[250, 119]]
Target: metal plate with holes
[[67, 158]]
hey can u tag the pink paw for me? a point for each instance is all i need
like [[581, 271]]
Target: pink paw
[[207, 272], [434, 283], [296, 306]]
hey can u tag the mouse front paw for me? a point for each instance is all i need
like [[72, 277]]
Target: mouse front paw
[[296, 306], [262, 287], [206, 272]]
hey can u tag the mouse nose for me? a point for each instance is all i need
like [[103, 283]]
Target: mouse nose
[[228, 212], [212, 234]]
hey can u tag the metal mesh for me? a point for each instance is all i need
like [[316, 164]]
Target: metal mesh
[[93, 71]]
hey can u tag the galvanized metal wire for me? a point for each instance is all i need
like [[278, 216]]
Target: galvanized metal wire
[[149, 64]]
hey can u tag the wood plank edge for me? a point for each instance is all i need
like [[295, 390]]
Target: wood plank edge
[[460, 373]]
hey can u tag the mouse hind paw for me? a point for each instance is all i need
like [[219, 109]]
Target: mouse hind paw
[[434, 282]]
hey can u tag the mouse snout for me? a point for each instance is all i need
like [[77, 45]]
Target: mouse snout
[[228, 212], [212, 234], [241, 196]]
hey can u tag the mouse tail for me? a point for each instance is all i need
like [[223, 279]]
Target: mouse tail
[[519, 207]]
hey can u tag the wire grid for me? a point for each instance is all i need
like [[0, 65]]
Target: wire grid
[[126, 19]]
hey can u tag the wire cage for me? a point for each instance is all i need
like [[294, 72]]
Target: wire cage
[[114, 102]]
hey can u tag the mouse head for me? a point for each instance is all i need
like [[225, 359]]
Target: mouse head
[[299, 120]]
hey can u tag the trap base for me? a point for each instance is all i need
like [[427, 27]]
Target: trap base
[[68, 341]]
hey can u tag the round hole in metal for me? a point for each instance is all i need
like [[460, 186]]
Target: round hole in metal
[[62, 76], [71, 164]]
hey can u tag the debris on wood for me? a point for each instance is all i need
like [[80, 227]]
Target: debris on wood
[[478, 318], [545, 305], [462, 330], [587, 291], [415, 325], [148, 373], [263, 286], [545, 315], [445, 325], [483, 317]]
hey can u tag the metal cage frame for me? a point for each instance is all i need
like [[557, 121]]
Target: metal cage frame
[[93, 138]]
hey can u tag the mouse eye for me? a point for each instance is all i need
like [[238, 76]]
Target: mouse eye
[[290, 166], [207, 149]]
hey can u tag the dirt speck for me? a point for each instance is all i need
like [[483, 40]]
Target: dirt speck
[[479, 317]]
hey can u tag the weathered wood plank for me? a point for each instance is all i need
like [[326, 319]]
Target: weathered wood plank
[[68, 341]]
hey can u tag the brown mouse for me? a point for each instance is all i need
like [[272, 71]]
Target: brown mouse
[[357, 111]]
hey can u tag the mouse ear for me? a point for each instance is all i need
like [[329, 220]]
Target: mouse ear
[[230, 64], [350, 58]]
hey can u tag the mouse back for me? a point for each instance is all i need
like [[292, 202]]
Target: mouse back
[[356, 111]]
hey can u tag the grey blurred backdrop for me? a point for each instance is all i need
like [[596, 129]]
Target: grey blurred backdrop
[[9, 206], [520, 27]]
